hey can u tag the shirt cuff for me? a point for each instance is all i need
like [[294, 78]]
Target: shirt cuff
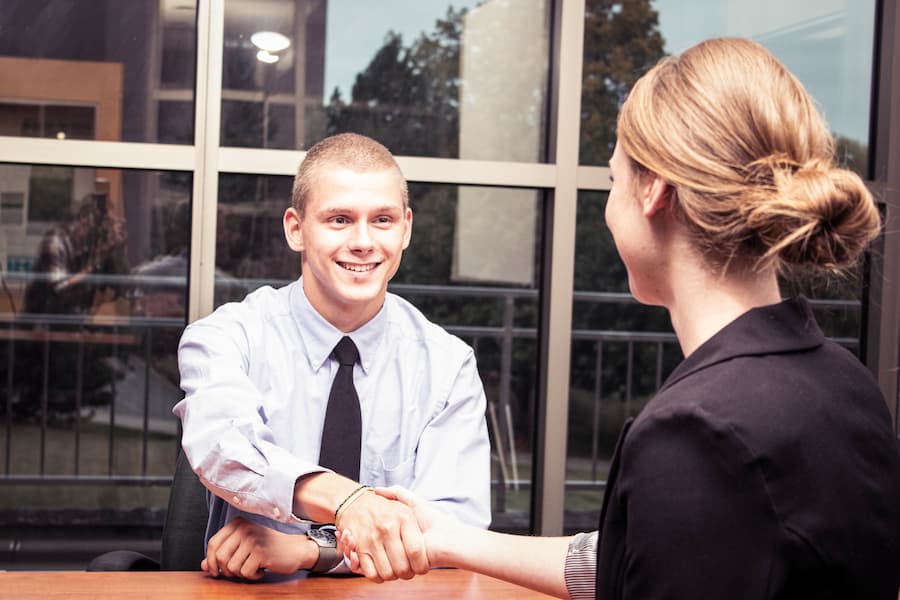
[[279, 481], [581, 566]]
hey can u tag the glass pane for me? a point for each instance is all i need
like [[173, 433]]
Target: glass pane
[[478, 281], [94, 273], [463, 79], [97, 69], [827, 45], [836, 302], [621, 353]]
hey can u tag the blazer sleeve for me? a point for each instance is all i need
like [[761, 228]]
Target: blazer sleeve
[[699, 520]]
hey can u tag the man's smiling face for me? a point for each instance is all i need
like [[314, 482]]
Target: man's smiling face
[[352, 235]]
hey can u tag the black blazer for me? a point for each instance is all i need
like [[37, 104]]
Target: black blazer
[[765, 467]]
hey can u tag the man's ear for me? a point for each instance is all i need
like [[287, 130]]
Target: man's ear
[[407, 218], [293, 230], [656, 194]]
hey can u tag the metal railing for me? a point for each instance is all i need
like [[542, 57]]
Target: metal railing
[[133, 336]]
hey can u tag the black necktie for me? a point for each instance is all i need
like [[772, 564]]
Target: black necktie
[[342, 434]]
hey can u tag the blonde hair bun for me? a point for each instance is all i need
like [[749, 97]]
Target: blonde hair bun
[[811, 214]]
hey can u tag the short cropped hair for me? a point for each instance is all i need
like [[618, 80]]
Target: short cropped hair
[[345, 150]]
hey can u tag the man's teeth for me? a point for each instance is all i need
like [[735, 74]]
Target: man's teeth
[[358, 268]]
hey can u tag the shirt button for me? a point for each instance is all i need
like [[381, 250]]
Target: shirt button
[[276, 512], [235, 500]]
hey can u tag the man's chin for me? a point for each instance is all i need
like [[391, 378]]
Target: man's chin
[[363, 294]]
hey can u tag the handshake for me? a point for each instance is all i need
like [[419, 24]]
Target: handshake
[[384, 533], [383, 552]]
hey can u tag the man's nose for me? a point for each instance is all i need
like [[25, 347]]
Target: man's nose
[[361, 238]]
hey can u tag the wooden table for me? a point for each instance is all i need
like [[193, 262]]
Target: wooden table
[[77, 585]]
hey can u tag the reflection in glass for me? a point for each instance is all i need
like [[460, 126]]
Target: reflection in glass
[[621, 353], [96, 69], [621, 41], [30, 119], [493, 307], [465, 80], [94, 274], [827, 45]]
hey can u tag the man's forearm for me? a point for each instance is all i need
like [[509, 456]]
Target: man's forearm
[[317, 496]]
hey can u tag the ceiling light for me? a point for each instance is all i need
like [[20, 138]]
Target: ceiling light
[[266, 57], [270, 41]]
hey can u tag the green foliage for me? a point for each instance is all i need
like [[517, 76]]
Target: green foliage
[[621, 42], [408, 97]]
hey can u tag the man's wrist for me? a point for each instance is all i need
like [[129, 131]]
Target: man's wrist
[[350, 499], [317, 495], [325, 553]]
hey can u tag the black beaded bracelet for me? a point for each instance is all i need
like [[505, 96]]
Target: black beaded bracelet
[[346, 501]]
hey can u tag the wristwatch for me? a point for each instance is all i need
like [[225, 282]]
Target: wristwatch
[[329, 557]]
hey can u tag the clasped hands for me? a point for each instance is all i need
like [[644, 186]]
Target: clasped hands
[[420, 539], [386, 534]]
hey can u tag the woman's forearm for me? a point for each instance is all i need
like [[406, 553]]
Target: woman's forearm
[[537, 563]]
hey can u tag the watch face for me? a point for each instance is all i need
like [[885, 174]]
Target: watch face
[[323, 537]]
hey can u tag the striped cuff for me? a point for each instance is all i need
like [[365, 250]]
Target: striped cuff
[[581, 565]]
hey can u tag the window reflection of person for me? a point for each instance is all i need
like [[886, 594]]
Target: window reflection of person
[[163, 300], [91, 243]]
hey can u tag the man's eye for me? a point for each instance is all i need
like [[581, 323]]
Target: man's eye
[[340, 220], [384, 220]]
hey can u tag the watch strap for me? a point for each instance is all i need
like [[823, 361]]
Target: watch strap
[[329, 558]]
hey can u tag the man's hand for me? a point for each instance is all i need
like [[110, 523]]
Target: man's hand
[[386, 538], [246, 550], [437, 529]]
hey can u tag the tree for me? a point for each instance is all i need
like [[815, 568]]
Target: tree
[[621, 42], [408, 97]]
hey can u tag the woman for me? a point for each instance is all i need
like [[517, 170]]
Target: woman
[[765, 467]]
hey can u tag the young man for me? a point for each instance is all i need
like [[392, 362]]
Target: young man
[[259, 377]]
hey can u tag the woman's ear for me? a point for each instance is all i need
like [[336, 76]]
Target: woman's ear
[[293, 230], [656, 194]]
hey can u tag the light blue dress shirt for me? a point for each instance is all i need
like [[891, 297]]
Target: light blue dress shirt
[[256, 377]]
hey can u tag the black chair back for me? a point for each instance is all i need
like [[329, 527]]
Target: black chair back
[[184, 531], [183, 544]]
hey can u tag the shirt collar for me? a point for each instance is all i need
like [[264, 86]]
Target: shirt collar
[[788, 326], [320, 337]]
